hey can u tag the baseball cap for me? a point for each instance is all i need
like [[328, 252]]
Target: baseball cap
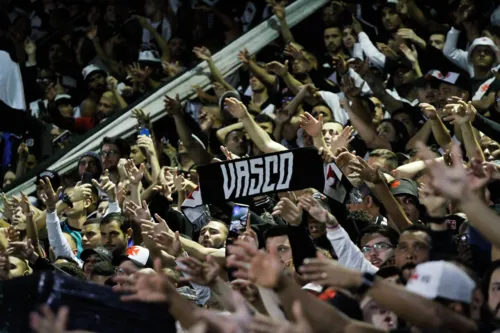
[[91, 69], [483, 41], [401, 186], [55, 180], [137, 254], [458, 79], [103, 254], [97, 159], [441, 279]]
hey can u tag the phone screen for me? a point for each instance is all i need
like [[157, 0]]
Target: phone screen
[[87, 178], [144, 131], [239, 217]]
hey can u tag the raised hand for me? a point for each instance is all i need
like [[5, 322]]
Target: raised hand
[[173, 106], [340, 64], [169, 243], [278, 68], [459, 112], [50, 197], [92, 33], [134, 175], [166, 184], [387, 51], [312, 126], [410, 54], [278, 8], [328, 272], [137, 74], [349, 88], [147, 288], [365, 171], [202, 273], [22, 250], [241, 253], [342, 140], [146, 143], [283, 116], [244, 56], [429, 110], [106, 186], [263, 324], [136, 212], [434, 204], [202, 53], [229, 156], [142, 118], [288, 211], [293, 50], [310, 205], [236, 108]]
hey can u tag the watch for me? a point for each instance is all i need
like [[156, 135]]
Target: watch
[[367, 282], [67, 200]]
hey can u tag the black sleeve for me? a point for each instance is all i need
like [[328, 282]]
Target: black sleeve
[[487, 126], [42, 264], [443, 245], [301, 244], [29, 75], [62, 122]]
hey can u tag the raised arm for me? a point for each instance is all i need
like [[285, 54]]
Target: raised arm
[[440, 132], [269, 80], [257, 134], [280, 11], [204, 53]]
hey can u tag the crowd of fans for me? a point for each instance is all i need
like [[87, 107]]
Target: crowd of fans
[[402, 97]]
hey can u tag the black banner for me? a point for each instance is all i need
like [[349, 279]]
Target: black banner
[[289, 170], [91, 307]]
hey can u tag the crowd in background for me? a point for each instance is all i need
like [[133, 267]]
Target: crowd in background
[[401, 98]]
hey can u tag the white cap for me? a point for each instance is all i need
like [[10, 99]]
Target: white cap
[[89, 70], [138, 254], [61, 97], [149, 55], [483, 41], [441, 279]]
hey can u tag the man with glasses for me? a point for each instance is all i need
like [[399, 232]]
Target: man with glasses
[[112, 149], [377, 243]]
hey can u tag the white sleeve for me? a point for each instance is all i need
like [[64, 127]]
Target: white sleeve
[[113, 207], [376, 57], [457, 56], [347, 252], [357, 51], [59, 244], [333, 102]]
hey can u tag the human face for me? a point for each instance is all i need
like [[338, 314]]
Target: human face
[[113, 238], [379, 110], [281, 245], [213, 235], [379, 162], [322, 110], [110, 155], [236, 143], [316, 229], [110, 15], [437, 41], [91, 236], [483, 56], [177, 47], [66, 110], [494, 294], [332, 38], [18, 268], [31, 162], [256, 85], [89, 263], [447, 91], [56, 54], [377, 249], [390, 19], [19, 223], [407, 121], [102, 209], [79, 207], [267, 126], [490, 148], [386, 130], [106, 105], [428, 94], [97, 82], [8, 178], [329, 131], [413, 249], [348, 38], [410, 206], [149, 7], [136, 155], [298, 67], [87, 164], [379, 317], [403, 76]]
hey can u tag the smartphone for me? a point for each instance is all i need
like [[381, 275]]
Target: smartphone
[[63, 137], [144, 131], [87, 178], [239, 217]]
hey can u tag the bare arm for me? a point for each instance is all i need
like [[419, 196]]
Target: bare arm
[[378, 89], [422, 135], [471, 143], [366, 131], [221, 133]]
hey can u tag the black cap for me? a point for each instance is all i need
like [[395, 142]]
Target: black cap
[[55, 180], [97, 159], [103, 254], [404, 186]]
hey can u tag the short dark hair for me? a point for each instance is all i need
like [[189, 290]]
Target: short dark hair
[[382, 229], [227, 135], [263, 118], [419, 227], [389, 156], [117, 217], [120, 143], [72, 269], [276, 231], [103, 268], [92, 221]]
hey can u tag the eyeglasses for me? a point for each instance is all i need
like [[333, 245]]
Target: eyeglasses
[[416, 248], [109, 153], [377, 247]]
